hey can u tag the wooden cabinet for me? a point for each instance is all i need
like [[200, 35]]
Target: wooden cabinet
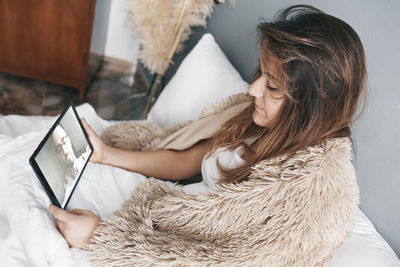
[[47, 39]]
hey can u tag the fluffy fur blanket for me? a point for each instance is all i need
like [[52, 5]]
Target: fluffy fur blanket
[[292, 211]]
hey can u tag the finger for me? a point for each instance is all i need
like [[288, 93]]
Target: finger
[[78, 211], [61, 226], [60, 214], [87, 127]]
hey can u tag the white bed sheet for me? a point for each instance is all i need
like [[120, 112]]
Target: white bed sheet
[[28, 236]]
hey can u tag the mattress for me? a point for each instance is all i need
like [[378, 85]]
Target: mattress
[[28, 234]]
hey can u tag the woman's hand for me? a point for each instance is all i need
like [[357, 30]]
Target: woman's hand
[[76, 226], [99, 148]]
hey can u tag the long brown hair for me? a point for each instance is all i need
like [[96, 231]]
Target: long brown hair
[[324, 75]]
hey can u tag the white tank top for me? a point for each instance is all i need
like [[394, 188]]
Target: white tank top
[[227, 158], [210, 172]]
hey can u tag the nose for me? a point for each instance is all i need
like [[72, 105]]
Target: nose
[[256, 89]]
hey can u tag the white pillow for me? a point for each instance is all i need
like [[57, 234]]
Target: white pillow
[[204, 77], [364, 246]]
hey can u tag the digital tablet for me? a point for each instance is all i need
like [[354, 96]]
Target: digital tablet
[[61, 157]]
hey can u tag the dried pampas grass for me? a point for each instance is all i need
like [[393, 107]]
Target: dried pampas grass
[[162, 26]]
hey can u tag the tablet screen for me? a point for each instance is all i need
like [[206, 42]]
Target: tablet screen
[[61, 157]]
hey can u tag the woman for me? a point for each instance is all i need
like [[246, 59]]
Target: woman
[[286, 193]]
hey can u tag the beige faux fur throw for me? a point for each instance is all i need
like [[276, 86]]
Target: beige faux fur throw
[[292, 211]]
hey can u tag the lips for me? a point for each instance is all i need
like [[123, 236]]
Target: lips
[[257, 107]]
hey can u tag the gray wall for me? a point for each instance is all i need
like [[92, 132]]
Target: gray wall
[[377, 133]]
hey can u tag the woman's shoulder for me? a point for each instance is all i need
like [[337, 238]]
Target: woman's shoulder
[[332, 158], [320, 178]]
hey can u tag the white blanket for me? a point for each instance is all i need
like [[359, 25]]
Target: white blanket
[[28, 235], [27, 231]]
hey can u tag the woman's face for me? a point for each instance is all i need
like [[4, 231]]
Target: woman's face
[[268, 95]]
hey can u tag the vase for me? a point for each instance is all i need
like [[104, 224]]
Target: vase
[[154, 92]]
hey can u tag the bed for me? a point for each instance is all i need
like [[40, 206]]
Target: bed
[[28, 235]]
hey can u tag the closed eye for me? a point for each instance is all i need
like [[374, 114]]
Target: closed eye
[[275, 93]]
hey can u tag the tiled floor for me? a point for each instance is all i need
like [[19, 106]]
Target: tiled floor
[[109, 93]]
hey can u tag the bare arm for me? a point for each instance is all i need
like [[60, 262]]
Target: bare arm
[[163, 164]]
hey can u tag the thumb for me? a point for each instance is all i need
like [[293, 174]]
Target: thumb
[[60, 214], [87, 127], [79, 211]]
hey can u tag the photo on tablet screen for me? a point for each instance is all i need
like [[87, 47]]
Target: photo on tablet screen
[[63, 156]]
